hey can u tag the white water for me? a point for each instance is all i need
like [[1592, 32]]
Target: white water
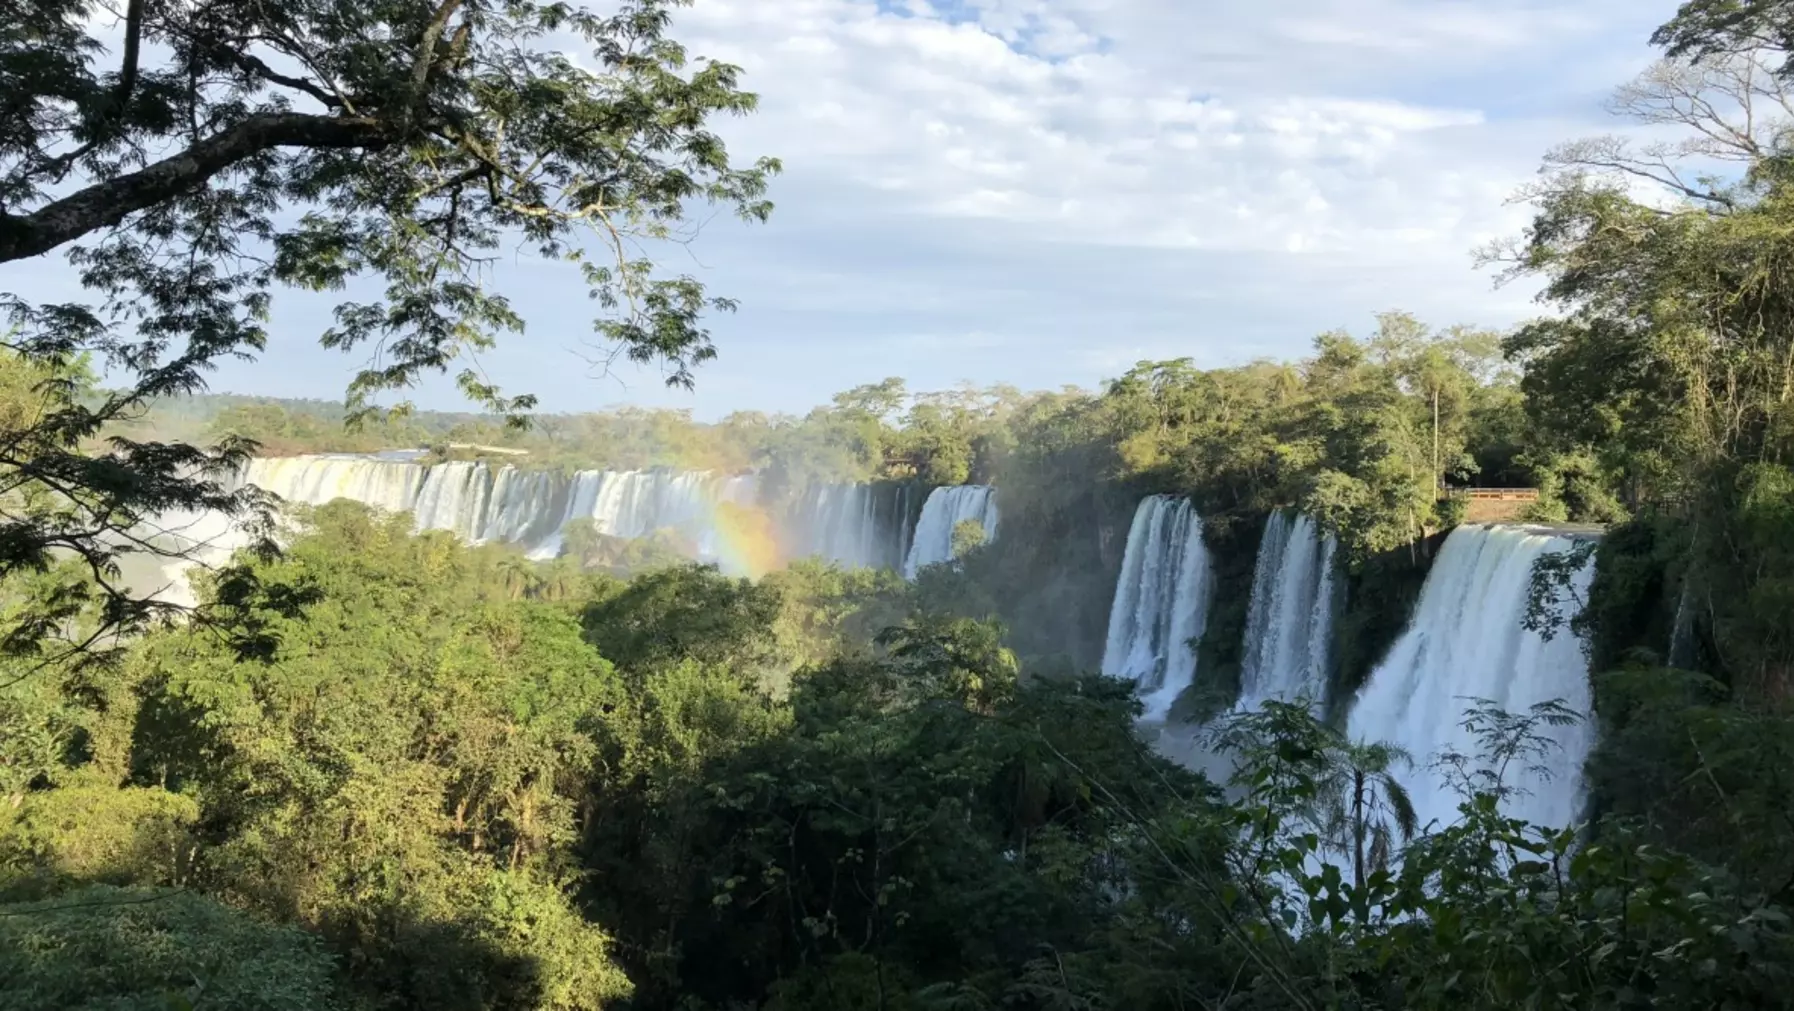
[[1466, 640], [202, 539], [945, 509], [854, 525], [1681, 635], [479, 503], [1161, 603], [1289, 624], [857, 525]]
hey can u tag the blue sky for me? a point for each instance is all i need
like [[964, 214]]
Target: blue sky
[[1042, 192]]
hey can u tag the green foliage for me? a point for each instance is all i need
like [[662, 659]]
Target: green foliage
[[1297, 774], [1380, 595], [93, 832], [1660, 386], [1521, 917], [968, 536], [1682, 760], [1575, 486], [1716, 581], [399, 769], [1704, 28], [1065, 519], [66, 515], [1748, 579], [37, 727], [279, 428], [1362, 436], [618, 556], [1631, 602], [1553, 602], [1487, 912], [686, 612], [921, 822], [828, 612], [1351, 435], [875, 432], [746, 795], [1233, 553], [128, 949]]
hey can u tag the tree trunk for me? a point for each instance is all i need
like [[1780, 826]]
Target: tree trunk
[[1436, 474], [1358, 830]]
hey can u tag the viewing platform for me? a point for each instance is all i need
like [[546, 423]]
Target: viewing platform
[[475, 447], [1494, 505]]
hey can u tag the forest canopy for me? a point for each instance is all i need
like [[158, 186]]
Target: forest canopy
[[378, 769]]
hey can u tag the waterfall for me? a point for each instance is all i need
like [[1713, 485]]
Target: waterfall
[[718, 518], [851, 524], [1466, 641], [858, 525], [203, 538], [1161, 603], [1289, 622], [1681, 633], [479, 502], [390, 485], [945, 509]]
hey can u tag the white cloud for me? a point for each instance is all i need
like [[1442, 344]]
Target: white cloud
[[1408, 29], [1088, 139], [1045, 191]]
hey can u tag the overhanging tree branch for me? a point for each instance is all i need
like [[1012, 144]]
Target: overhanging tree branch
[[107, 203]]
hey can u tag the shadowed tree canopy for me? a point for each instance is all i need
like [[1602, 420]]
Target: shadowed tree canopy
[[189, 158]]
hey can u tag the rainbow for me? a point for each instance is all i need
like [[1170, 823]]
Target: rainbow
[[747, 540]]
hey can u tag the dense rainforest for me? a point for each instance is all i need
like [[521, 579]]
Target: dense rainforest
[[377, 768]]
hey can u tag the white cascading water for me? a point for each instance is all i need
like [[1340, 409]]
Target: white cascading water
[[857, 525], [480, 503], [1289, 622], [1681, 633], [1161, 603], [1466, 641], [205, 538], [945, 509], [850, 524]]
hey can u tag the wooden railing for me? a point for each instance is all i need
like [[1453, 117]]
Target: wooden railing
[[1495, 494], [476, 447]]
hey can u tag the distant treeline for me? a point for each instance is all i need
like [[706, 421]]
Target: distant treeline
[[1430, 407]]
